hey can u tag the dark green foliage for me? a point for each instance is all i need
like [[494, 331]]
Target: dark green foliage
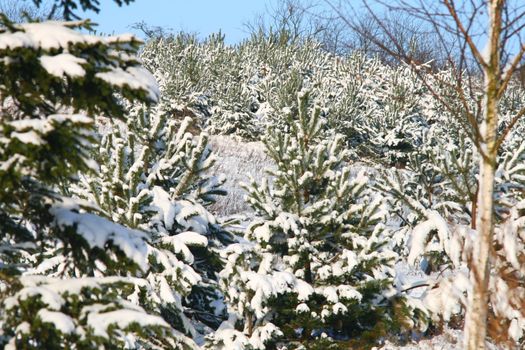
[[105, 297], [54, 81], [42, 148]]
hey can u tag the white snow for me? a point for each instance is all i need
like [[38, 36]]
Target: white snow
[[31, 130], [226, 337], [192, 238], [61, 321], [265, 286], [450, 242], [23, 328], [179, 247], [49, 297], [46, 35], [162, 200], [236, 160], [28, 137], [98, 231], [133, 77], [123, 318], [63, 64]]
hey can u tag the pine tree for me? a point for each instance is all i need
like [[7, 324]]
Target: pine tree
[[323, 226], [68, 7], [154, 176], [54, 80]]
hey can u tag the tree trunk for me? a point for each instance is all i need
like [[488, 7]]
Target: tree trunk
[[249, 324], [477, 309], [476, 319]]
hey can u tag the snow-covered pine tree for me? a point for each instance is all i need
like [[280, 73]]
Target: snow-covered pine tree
[[396, 125], [346, 95], [53, 80], [319, 252], [234, 90], [235, 95], [239, 90], [154, 176], [252, 287], [437, 187], [182, 67], [378, 108]]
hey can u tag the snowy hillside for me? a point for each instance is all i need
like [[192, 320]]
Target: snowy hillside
[[234, 156], [182, 193]]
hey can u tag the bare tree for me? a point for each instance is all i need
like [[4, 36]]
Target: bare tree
[[290, 16], [300, 19], [481, 41], [20, 11], [406, 35], [151, 31]]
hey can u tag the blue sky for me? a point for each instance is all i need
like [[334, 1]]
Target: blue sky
[[201, 16]]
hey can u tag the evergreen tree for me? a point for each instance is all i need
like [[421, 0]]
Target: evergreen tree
[[69, 7], [320, 252], [54, 80], [379, 109], [154, 176]]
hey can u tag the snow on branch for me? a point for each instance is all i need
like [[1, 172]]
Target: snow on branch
[[98, 231]]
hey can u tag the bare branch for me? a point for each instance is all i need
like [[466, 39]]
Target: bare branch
[[468, 39], [509, 127]]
